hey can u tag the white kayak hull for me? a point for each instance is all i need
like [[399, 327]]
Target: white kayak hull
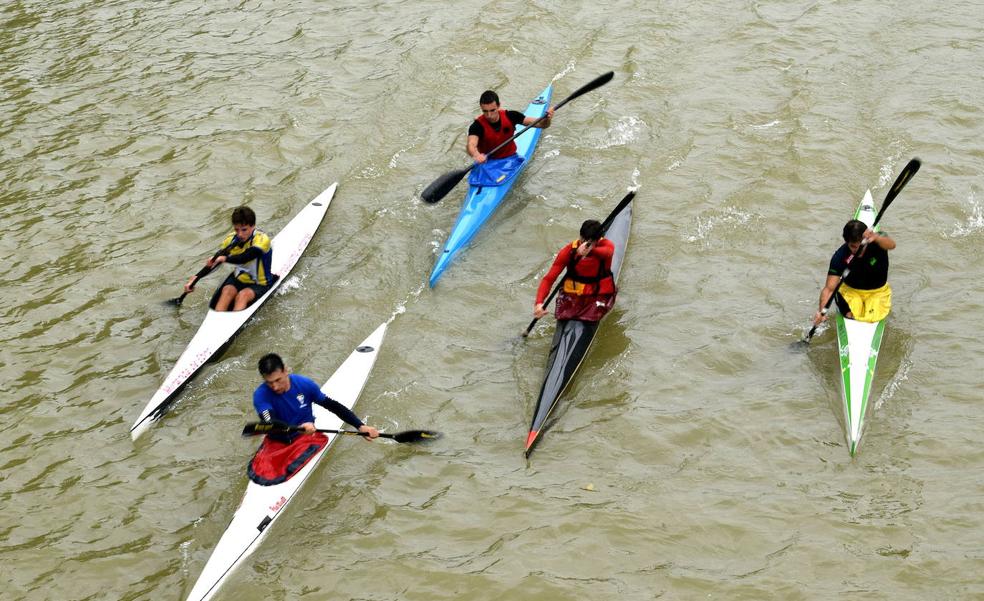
[[858, 344], [263, 505], [219, 327]]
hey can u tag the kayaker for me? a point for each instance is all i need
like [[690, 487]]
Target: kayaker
[[865, 294], [251, 251], [589, 288], [494, 126], [287, 398]]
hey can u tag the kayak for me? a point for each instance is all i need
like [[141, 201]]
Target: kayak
[[262, 505], [218, 328], [858, 343], [572, 339], [482, 200]]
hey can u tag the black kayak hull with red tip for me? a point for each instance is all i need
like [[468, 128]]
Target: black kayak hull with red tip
[[572, 340]]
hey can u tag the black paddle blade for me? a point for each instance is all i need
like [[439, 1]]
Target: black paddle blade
[[257, 428], [413, 436], [440, 187], [176, 301], [910, 169], [607, 223], [591, 85]]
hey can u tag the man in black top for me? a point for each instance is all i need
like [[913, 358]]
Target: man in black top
[[494, 126], [865, 294]]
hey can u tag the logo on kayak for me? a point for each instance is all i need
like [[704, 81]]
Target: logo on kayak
[[278, 505], [365, 349]]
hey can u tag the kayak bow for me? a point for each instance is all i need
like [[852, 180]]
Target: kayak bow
[[262, 505], [482, 201], [218, 328], [572, 339]]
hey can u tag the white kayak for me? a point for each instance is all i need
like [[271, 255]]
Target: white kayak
[[262, 505], [858, 343], [219, 327]]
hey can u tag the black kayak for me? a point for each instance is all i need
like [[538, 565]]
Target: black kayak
[[573, 338]]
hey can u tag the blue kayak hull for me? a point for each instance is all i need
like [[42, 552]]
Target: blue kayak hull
[[482, 201]]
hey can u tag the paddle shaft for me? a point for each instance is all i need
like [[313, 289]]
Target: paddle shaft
[[256, 428], [607, 223], [910, 169], [204, 271], [595, 83]]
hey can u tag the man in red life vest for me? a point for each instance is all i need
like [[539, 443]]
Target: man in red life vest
[[494, 126], [589, 286]]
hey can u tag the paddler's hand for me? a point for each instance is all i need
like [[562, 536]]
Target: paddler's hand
[[480, 158], [215, 262], [190, 284], [585, 247], [539, 311], [819, 317], [308, 428], [546, 122], [369, 431]]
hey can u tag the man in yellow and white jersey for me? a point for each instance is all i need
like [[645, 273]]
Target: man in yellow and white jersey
[[251, 251]]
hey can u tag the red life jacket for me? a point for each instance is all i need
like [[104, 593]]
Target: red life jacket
[[589, 275], [492, 138]]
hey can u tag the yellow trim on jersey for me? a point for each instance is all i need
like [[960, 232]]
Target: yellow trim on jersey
[[254, 272]]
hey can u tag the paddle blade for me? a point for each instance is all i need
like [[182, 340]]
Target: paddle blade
[[607, 223], [440, 187], [591, 85], [176, 301], [258, 428], [910, 169], [414, 436]]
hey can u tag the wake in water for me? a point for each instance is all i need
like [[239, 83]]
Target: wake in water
[[974, 222]]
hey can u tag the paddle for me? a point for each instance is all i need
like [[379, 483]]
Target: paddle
[[910, 169], [256, 428], [204, 271], [440, 187], [607, 223]]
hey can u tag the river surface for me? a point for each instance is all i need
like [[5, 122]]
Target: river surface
[[697, 455]]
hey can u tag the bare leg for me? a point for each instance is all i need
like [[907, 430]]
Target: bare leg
[[225, 298], [244, 298]]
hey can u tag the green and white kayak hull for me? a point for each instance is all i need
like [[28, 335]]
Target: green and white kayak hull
[[858, 343]]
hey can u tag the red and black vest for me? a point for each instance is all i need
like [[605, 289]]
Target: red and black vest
[[492, 137], [583, 278]]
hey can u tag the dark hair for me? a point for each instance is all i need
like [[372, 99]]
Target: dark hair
[[591, 230], [488, 97], [854, 231], [243, 216], [270, 363]]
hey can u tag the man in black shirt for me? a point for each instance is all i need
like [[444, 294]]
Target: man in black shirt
[[496, 125], [865, 294]]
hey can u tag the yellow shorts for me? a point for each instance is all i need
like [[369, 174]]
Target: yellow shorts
[[868, 305]]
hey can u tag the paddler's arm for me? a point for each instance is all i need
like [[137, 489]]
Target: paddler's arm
[[542, 124], [348, 416], [825, 292], [250, 254], [560, 261], [880, 239], [472, 150]]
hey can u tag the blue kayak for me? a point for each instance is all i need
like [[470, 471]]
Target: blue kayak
[[488, 185]]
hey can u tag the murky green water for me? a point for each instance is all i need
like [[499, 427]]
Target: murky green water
[[695, 457]]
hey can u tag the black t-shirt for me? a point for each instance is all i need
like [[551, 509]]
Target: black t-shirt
[[475, 129], [868, 270]]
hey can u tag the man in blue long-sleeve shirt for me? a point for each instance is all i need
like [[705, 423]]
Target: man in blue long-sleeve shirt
[[287, 397]]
